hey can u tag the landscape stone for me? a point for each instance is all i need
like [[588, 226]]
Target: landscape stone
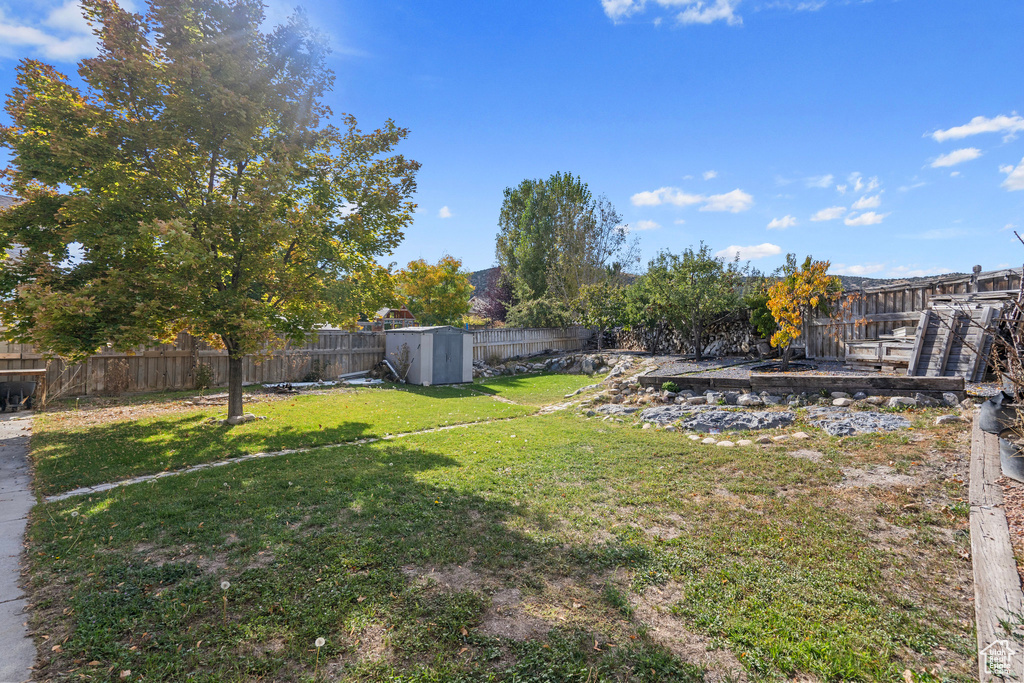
[[860, 396], [950, 399], [928, 401], [763, 439], [614, 409], [875, 400], [725, 444], [948, 419], [694, 437], [842, 401], [747, 400], [840, 394], [720, 419], [744, 442], [697, 400], [709, 441], [801, 435], [846, 422], [897, 401], [780, 437], [770, 400]]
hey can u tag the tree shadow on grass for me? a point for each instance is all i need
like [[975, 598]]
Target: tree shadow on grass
[[339, 544]]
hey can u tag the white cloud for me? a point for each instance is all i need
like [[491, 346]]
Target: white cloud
[[858, 270], [679, 221], [708, 175], [957, 156], [1015, 177], [750, 253], [693, 11], [1008, 226], [620, 9], [861, 185], [829, 214], [666, 195], [645, 225], [700, 12], [866, 218], [62, 36], [867, 202], [954, 174], [782, 223], [841, 189], [821, 181], [445, 212], [980, 124], [733, 202]]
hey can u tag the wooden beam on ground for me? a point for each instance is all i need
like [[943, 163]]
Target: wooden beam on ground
[[997, 590]]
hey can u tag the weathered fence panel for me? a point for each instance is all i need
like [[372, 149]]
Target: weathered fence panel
[[879, 310], [506, 342], [173, 366]]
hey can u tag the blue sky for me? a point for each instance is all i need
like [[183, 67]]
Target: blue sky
[[883, 135]]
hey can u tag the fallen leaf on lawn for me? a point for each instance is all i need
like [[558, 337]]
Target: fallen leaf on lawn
[[126, 673], [57, 648], [464, 631], [360, 598], [93, 663]]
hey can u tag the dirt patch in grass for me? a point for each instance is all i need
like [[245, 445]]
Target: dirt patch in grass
[[652, 609], [881, 476]]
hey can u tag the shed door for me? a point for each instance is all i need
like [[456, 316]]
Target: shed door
[[447, 358]]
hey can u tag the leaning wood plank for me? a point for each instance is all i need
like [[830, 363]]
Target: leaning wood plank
[[997, 591], [915, 355], [943, 345]]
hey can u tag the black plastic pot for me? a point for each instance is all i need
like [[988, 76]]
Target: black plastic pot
[[1011, 459], [997, 413]]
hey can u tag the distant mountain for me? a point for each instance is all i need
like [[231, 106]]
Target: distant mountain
[[853, 282]]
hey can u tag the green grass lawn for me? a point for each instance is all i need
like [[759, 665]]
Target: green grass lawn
[[68, 455], [536, 390], [536, 549]]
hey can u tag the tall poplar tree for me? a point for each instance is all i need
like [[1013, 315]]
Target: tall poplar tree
[[194, 183]]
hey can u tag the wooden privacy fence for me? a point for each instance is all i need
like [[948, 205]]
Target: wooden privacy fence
[[879, 310], [506, 342], [173, 366]]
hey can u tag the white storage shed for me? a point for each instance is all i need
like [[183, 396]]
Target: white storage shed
[[432, 355]]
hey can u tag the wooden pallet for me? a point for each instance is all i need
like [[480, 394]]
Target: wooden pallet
[[948, 341]]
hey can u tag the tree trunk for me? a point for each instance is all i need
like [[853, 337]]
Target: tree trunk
[[785, 357], [698, 350], [235, 359], [600, 337]]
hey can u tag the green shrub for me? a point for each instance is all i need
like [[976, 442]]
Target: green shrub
[[670, 386], [203, 376]]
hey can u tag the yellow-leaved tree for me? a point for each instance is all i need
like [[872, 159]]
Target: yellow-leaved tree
[[436, 294], [802, 290]]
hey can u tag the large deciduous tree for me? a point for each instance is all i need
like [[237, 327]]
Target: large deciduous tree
[[195, 183], [554, 238], [686, 292], [436, 294]]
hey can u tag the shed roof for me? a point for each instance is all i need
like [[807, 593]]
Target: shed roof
[[433, 328]]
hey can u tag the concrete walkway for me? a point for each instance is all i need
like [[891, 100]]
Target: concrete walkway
[[17, 652]]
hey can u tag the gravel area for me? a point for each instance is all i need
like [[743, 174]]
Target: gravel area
[[740, 368]]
